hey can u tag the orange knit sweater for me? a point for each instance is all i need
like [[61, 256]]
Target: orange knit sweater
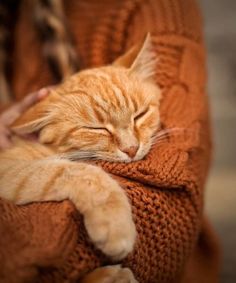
[[47, 242]]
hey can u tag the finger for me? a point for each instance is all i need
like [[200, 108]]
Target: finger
[[9, 116], [43, 93], [5, 142], [31, 99], [5, 137], [15, 111]]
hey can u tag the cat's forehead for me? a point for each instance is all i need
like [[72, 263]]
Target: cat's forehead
[[99, 80], [108, 75], [108, 92], [115, 83]]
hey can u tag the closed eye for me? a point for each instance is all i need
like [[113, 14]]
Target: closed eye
[[98, 129], [140, 115]]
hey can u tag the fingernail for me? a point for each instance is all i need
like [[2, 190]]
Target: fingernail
[[43, 93]]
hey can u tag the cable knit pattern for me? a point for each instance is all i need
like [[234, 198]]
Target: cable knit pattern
[[48, 242]]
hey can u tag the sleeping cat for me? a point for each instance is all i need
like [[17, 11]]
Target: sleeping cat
[[109, 113]]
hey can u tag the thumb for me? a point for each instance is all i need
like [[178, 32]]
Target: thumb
[[14, 112], [31, 99]]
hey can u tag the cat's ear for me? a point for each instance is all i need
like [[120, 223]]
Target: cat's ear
[[35, 117], [140, 59]]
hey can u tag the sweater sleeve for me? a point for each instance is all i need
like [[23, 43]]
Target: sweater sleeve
[[166, 189]]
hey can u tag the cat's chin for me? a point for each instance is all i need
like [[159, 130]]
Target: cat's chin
[[124, 160]]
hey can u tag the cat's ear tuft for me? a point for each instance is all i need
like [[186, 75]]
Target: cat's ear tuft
[[35, 118], [140, 59]]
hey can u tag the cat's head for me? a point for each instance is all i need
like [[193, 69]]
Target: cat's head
[[109, 113]]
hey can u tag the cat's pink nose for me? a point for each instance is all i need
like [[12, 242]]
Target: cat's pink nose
[[131, 151]]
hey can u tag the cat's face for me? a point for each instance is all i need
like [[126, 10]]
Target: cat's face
[[104, 113], [109, 113]]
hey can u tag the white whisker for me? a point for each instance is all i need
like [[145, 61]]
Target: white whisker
[[77, 155], [162, 135]]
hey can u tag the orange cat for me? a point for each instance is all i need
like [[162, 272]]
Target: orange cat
[[109, 113]]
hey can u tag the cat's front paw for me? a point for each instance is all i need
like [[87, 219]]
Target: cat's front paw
[[110, 274], [109, 222]]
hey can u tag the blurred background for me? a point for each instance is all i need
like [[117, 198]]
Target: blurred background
[[220, 33]]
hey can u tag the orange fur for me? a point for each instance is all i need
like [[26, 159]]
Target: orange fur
[[109, 113], [110, 274]]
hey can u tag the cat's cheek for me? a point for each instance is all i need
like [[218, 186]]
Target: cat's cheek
[[121, 156], [65, 148], [143, 151], [47, 135]]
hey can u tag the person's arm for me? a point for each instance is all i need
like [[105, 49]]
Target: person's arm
[[168, 194]]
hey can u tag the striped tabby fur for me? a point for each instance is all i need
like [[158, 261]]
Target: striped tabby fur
[[109, 113]]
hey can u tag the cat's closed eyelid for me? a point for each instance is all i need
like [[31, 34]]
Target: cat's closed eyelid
[[98, 129], [141, 114]]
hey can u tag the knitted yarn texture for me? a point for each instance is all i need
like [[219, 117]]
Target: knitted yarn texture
[[48, 242]]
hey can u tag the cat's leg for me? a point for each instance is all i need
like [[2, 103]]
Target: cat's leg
[[107, 212], [106, 209], [110, 274], [103, 203]]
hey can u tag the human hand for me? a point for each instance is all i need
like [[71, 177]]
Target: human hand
[[11, 114]]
